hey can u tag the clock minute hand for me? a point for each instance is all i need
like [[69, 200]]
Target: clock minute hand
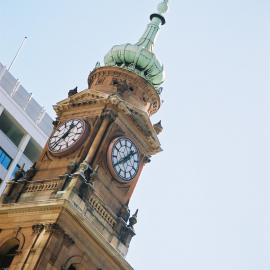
[[64, 135], [131, 153]]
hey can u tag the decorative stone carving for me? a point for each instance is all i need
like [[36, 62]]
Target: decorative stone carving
[[31, 172], [158, 127], [53, 227], [109, 114], [122, 86], [19, 174], [84, 169], [146, 159], [71, 168], [124, 213], [73, 92], [37, 228], [55, 123], [133, 219], [126, 232]]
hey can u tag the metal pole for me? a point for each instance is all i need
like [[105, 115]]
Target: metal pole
[[13, 60]]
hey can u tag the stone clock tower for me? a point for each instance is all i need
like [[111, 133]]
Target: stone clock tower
[[70, 210]]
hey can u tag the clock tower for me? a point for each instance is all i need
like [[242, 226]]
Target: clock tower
[[70, 210]]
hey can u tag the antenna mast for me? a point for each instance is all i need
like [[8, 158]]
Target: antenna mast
[[17, 53]]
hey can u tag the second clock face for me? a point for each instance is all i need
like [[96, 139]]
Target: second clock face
[[67, 135], [124, 158]]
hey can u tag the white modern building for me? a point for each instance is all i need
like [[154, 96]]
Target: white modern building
[[24, 127]]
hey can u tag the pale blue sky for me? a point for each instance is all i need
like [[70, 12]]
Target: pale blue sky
[[205, 200]]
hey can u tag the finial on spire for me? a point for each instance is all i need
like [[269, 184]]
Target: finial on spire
[[140, 57], [163, 7]]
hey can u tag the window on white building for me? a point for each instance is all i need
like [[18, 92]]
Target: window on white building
[[5, 159]]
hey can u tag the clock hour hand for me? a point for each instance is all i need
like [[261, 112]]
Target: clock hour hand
[[126, 158], [63, 136]]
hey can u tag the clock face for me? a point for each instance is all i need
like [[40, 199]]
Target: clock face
[[124, 159], [67, 136]]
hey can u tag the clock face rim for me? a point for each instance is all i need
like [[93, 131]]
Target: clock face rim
[[77, 143], [112, 167]]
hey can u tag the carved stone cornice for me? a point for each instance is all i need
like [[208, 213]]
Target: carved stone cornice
[[86, 97], [28, 209]]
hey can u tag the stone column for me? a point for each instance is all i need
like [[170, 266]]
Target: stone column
[[108, 116], [78, 178]]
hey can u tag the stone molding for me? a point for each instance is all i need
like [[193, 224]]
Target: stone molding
[[95, 77]]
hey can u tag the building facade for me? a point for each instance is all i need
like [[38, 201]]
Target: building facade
[[71, 210], [24, 127]]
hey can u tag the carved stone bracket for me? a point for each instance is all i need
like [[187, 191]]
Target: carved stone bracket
[[37, 228], [12, 191], [125, 235], [85, 170], [31, 172], [146, 159], [125, 231], [124, 213], [71, 168], [109, 114]]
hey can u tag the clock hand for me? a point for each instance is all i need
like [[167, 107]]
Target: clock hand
[[126, 158], [63, 136]]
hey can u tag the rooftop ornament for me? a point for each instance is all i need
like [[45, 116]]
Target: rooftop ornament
[[139, 57]]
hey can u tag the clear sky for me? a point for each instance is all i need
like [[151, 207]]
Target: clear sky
[[204, 202]]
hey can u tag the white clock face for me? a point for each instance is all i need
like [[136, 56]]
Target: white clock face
[[125, 158], [66, 135]]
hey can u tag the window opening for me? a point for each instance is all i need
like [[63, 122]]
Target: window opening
[[5, 159]]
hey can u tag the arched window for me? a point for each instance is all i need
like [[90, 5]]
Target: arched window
[[7, 252], [72, 267]]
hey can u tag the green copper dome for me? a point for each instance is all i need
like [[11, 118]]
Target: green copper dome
[[139, 57]]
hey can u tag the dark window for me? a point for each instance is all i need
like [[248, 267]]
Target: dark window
[[72, 267], [11, 128], [5, 159]]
